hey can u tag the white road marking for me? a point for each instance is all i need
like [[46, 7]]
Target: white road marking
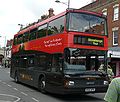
[[17, 98], [35, 99], [9, 85], [24, 93], [15, 89], [4, 82]]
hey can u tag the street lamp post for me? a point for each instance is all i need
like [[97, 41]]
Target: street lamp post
[[68, 3]]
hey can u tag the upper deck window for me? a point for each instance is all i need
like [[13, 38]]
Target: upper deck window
[[56, 26], [33, 34], [20, 39], [42, 31], [15, 40], [83, 22], [26, 37]]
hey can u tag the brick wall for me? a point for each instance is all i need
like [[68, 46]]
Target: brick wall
[[98, 6]]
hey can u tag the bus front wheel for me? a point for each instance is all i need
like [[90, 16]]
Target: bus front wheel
[[42, 85]]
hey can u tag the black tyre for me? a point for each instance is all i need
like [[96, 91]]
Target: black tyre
[[42, 85]]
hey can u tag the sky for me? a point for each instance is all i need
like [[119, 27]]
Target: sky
[[14, 12]]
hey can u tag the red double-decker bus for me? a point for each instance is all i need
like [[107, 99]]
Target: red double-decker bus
[[63, 54]]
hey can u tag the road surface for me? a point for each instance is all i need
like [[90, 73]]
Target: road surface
[[13, 92]]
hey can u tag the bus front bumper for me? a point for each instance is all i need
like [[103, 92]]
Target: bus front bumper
[[83, 90]]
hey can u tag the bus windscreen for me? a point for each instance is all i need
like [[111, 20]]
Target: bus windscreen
[[82, 22]]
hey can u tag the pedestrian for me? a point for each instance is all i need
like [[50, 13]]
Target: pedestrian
[[113, 92], [101, 68], [110, 72]]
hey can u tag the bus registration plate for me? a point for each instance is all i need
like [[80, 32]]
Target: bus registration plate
[[89, 89]]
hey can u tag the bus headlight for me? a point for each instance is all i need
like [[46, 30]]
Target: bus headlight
[[106, 82], [69, 83]]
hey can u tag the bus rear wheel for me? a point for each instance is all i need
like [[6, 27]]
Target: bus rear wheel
[[42, 85]]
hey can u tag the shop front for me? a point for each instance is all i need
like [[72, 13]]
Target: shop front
[[1, 57], [114, 59]]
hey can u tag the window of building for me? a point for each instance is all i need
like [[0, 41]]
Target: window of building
[[115, 12], [104, 12], [56, 26], [115, 37]]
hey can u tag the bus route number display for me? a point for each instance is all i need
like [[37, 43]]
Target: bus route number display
[[88, 40]]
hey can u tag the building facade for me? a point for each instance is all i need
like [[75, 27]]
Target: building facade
[[7, 59], [110, 8], [1, 55], [5, 54]]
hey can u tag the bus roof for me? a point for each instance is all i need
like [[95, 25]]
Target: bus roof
[[36, 24]]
